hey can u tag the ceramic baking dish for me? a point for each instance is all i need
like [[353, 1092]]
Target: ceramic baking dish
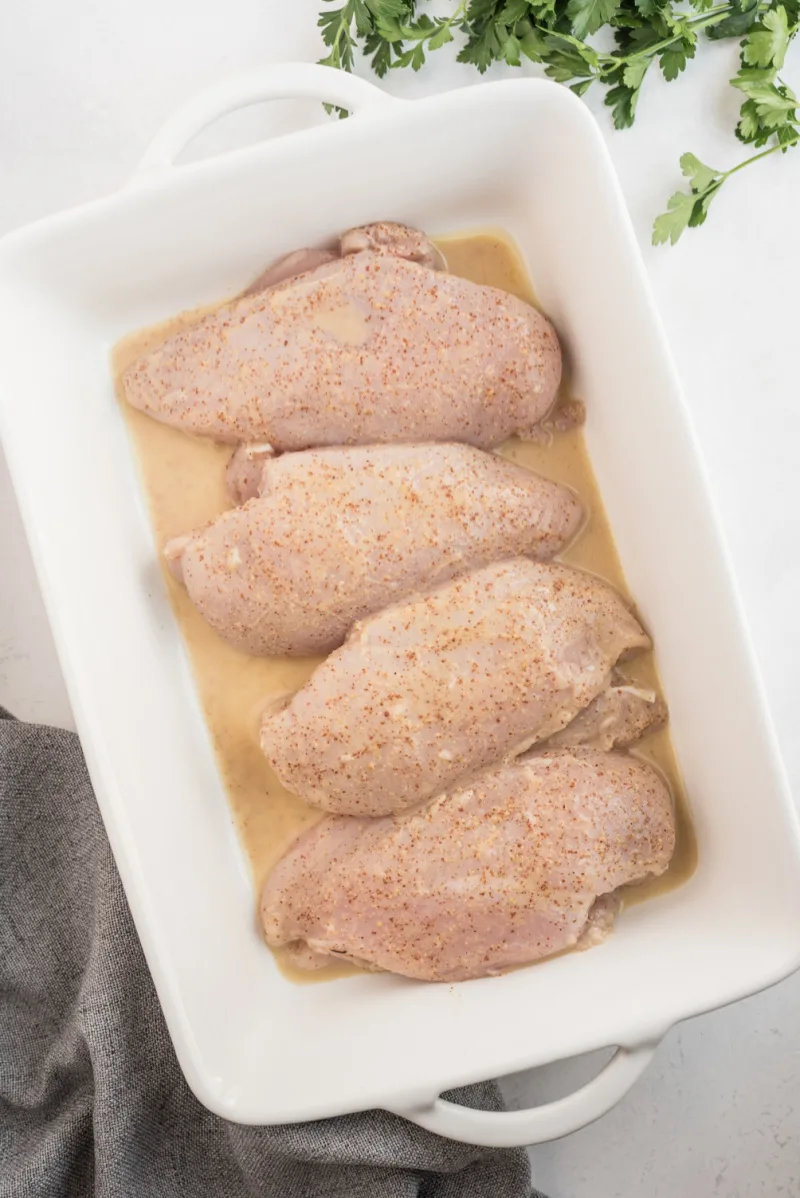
[[527, 157]]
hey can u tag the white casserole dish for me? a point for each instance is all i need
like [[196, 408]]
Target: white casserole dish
[[527, 157]]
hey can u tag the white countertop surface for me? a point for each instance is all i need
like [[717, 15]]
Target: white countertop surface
[[82, 90]]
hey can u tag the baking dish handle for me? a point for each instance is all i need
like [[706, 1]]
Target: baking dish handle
[[514, 1129], [282, 81]]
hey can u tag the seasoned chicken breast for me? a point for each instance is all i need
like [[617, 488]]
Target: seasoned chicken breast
[[516, 866], [339, 533], [370, 347], [432, 690]]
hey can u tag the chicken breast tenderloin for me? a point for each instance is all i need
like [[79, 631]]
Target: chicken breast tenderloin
[[367, 348], [618, 716], [428, 692], [340, 533], [496, 874], [383, 237]]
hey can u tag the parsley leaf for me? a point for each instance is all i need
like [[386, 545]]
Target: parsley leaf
[[670, 225], [634, 73], [699, 175], [588, 16], [766, 43], [335, 26], [482, 49], [622, 101], [743, 15], [773, 104], [646, 8], [686, 210], [442, 36], [673, 58], [513, 11]]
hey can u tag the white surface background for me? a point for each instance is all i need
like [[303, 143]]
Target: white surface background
[[83, 87]]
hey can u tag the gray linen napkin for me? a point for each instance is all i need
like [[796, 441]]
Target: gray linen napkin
[[92, 1101]]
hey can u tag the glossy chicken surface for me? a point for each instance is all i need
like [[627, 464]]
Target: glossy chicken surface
[[499, 873], [337, 534], [373, 346], [430, 691]]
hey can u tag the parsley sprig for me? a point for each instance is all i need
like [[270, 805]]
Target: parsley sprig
[[665, 34]]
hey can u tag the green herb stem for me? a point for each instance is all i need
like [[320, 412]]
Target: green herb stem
[[786, 145], [456, 17], [713, 17]]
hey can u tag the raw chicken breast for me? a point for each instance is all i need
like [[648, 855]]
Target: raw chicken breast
[[496, 874], [430, 691], [339, 533], [368, 348]]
